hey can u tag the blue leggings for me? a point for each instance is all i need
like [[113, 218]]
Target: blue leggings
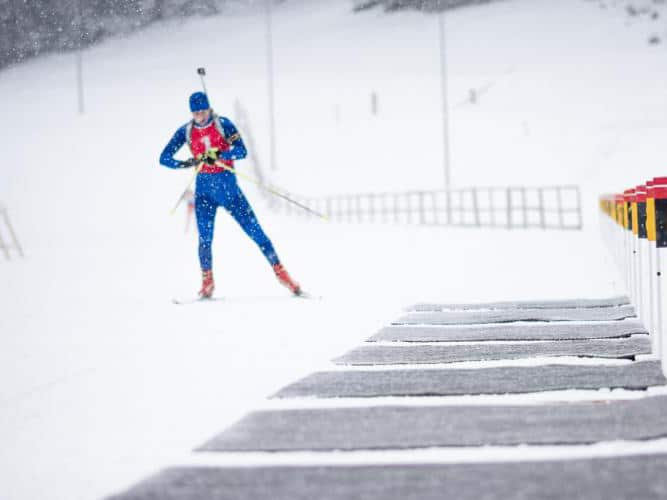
[[221, 190]]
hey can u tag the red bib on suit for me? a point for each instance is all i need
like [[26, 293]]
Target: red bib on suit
[[204, 138]]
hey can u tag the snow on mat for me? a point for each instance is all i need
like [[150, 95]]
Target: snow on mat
[[506, 316], [449, 382], [525, 304], [641, 476], [399, 427], [523, 331], [451, 353]]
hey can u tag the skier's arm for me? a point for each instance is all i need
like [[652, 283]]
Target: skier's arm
[[167, 157], [238, 150]]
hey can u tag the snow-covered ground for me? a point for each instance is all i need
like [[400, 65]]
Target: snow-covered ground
[[103, 380]]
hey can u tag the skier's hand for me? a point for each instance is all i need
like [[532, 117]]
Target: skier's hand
[[211, 156], [188, 163]]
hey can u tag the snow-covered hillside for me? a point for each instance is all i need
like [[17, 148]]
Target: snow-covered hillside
[[103, 380]]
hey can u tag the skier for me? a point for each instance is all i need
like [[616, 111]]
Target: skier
[[215, 141]]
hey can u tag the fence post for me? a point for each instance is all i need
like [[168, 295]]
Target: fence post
[[540, 194], [627, 244], [383, 207], [661, 243], [492, 209], [644, 252], [475, 206], [629, 198], [448, 204], [524, 207], [509, 208], [659, 332], [462, 218], [396, 208], [651, 237], [580, 217], [371, 207], [559, 206], [422, 216], [637, 251], [660, 194]]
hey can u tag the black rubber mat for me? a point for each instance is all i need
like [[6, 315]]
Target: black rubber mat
[[623, 478], [513, 315], [398, 427], [450, 382], [507, 331], [451, 353]]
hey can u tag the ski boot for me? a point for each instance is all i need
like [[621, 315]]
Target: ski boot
[[286, 280], [207, 285]]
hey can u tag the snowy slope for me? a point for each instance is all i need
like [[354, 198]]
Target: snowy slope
[[102, 380]]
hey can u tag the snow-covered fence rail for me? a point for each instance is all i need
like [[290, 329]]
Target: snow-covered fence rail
[[550, 207], [635, 228], [7, 233]]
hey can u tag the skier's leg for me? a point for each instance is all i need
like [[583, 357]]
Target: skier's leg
[[242, 212], [240, 209], [205, 209]]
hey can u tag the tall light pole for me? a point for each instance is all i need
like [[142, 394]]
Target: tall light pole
[[443, 87], [79, 78], [79, 58], [271, 90]]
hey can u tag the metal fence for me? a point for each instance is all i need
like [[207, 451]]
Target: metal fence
[[546, 207], [550, 207]]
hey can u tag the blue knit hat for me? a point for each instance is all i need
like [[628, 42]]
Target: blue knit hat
[[199, 102]]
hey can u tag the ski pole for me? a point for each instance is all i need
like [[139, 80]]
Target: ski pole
[[273, 191], [202, 73], [185, 191], [249, 179]]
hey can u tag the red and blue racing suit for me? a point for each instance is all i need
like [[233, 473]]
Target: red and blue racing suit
[[215, 186]]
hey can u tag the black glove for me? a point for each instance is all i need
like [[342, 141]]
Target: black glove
[[211, 156], [188, 163]]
